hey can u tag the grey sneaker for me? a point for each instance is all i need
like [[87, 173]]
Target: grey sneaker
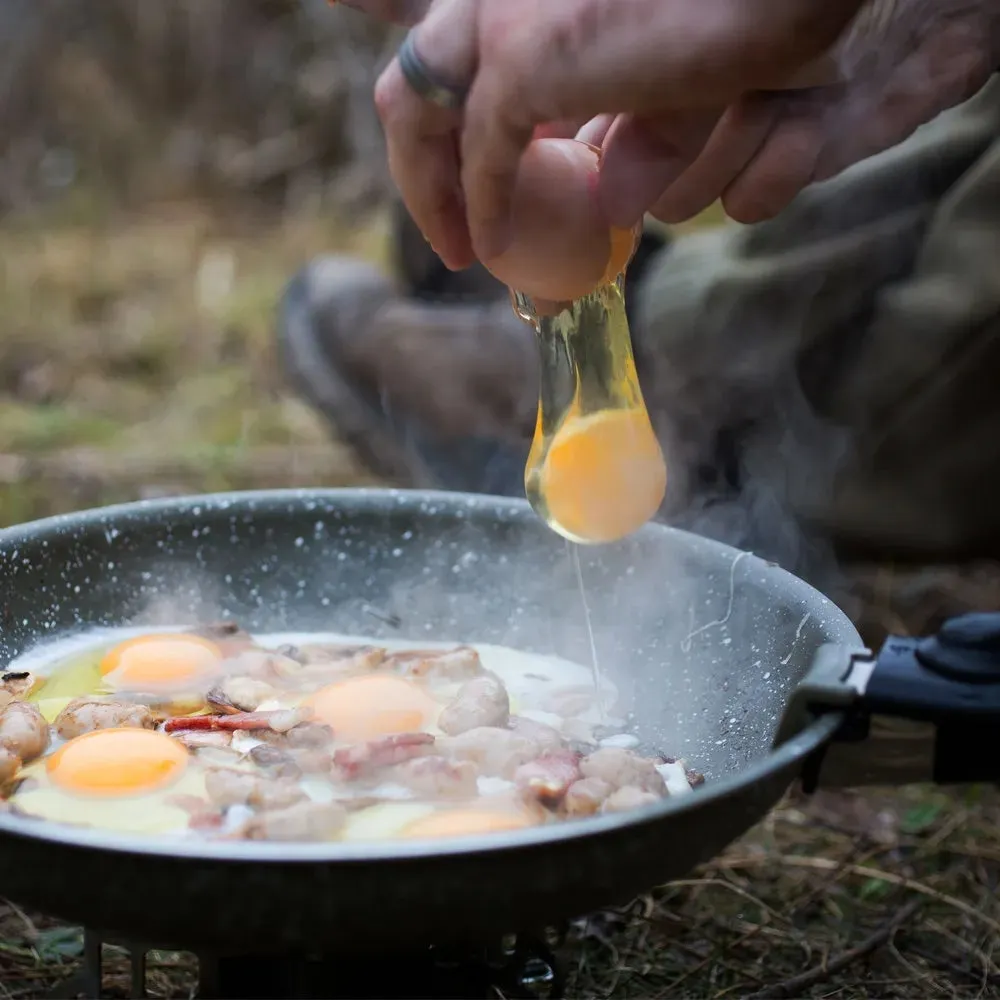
[[429, 395]]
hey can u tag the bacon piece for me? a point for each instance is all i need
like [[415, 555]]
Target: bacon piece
[[205, 739], [627, 798], [203, 816], [277, 720], [623, 768], [586, 796], [549, 777], [384, 752], [458, 663], [240, 694], [302, 821], [23, 730], [437, 778], [84, 715], [480, 702], [10, 763]]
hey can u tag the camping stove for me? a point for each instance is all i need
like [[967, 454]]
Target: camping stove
[[520, 966]]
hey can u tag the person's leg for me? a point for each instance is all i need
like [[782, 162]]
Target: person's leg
[[838, 365]]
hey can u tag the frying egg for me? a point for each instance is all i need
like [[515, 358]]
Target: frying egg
[[562, 247], [117, 779], [384, 820], [117, 762], [466, 822], [364, 708], [167, 662], [603, 476]]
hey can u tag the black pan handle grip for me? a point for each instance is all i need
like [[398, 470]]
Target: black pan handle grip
[[950, 680]]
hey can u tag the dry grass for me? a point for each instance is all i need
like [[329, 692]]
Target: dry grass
[[136, 358]]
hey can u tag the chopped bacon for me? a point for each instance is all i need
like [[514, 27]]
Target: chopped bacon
[[384, 752], [238, 720], [549, 777], [204, 816]]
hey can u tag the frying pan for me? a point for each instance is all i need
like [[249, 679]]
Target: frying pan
[[721, 658]]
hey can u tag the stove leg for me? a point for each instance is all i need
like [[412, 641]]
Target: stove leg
[[137, 959], [87, 980]]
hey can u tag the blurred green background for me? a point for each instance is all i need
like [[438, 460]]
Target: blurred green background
[[164, 169]]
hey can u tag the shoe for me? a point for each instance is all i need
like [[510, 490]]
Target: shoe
[[429, 395]]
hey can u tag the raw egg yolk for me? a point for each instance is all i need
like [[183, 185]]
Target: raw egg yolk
[[604, 475], [465, 823], [364, 708], [155, 662], [117, 762]]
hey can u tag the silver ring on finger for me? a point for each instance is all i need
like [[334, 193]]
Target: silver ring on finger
[[423, 81]]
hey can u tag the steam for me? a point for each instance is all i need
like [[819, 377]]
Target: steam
[[185, 596]]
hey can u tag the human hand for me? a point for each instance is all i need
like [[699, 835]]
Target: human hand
[[697, 88]]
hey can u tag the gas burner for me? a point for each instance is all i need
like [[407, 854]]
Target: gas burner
[[522, 967]]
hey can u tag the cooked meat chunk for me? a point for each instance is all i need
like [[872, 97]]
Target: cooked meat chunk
[[240, 694], [304, 736], [340, 659], [549, 777], [364, 759], [480, 702], [321, 664], [263, 665], [460, 663], [620, 768], [437, 778], [586, 796], [275, 761], [196, 740], [242, 788], [23, 731], [20, 684], [302, 821], [498, 753], [543, 736], [10, 764], [628, 798], [317, 760]]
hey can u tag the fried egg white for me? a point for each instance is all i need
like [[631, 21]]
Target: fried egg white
[[126, 780]]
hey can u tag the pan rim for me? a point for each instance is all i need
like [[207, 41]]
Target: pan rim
[[166, 848]]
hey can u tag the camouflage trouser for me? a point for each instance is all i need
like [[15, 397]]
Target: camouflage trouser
[[840, 365]]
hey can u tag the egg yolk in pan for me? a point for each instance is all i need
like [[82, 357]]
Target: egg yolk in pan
[[117, 762], [160, 662], [364, 708], [465, 823]]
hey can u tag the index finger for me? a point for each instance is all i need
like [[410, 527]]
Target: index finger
[[494, 136], [421, 149], [421, 137]]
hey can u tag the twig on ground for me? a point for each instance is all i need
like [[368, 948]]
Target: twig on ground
[[796, 985], [825, 864]]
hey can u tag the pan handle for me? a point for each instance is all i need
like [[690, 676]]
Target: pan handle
[[922, 709]]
